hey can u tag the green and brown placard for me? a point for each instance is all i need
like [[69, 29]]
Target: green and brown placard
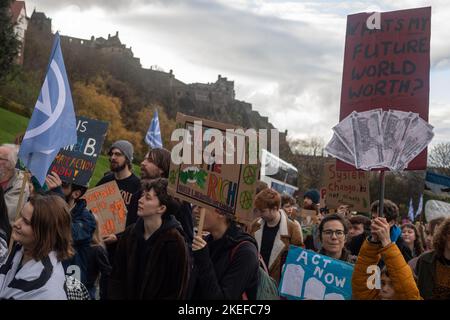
[[222, 186]]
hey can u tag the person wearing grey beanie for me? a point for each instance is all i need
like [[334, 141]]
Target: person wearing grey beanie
[[126, 148], [120, 159]]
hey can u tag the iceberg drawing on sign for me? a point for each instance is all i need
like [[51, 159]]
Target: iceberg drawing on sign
[[294, 277]]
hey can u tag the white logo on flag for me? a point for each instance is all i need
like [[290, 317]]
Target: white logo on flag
[[46, 107]]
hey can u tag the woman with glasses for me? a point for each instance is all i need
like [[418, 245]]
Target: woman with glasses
[[333, 231]]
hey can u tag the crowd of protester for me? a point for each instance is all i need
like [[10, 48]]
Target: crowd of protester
[[53, 237]]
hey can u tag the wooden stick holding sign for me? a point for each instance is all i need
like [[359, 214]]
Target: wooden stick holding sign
[[201, 222], [26, 177]]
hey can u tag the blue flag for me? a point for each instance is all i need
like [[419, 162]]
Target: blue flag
[[411, 210], [52, 125], [153, 136]]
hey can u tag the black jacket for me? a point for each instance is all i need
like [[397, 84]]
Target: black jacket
[[404, 249], [217, 276], [156, 268], [98, 263], [184, 216], [355, 243]]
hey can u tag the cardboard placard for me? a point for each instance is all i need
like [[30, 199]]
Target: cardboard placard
[[387, 68], [312, 276], [226, 187], [106, 202], [349, 187], [308, 217], [76, 163]]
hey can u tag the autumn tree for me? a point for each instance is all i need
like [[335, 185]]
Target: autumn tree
[[91, 102], [9, 44]]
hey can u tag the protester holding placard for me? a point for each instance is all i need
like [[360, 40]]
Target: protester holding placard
[[397, 281], [225, 262], [390, 212], [156, 164], [152, 259], [120, 158], [42, 234], [333, 230], [274, 231]]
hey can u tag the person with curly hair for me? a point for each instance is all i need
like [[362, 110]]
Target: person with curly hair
[[433, 267]]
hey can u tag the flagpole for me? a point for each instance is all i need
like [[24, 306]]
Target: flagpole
[[19, 204], [381, 192]]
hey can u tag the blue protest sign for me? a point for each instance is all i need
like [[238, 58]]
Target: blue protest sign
[[312, 276]]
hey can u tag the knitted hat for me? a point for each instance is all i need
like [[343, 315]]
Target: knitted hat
[[313, 194], [125, 147]]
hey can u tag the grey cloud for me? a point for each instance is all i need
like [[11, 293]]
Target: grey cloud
[[301, 58], [108, 5]]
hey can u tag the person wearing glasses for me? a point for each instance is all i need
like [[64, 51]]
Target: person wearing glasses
[[120, 158], [333, 231]]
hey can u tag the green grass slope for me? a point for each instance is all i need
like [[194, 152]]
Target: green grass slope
[[12, 124]]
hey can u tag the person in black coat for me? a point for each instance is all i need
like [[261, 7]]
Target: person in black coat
[[152, 259], [221, 269]]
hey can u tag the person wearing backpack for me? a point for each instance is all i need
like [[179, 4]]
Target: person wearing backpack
[[225, 262], [274, 231]]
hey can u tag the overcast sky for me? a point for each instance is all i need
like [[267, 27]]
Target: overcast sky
[[285, 57]]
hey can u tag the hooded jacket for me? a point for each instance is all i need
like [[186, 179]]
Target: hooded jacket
[[220, 276], [399, 272], [156, 268]]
